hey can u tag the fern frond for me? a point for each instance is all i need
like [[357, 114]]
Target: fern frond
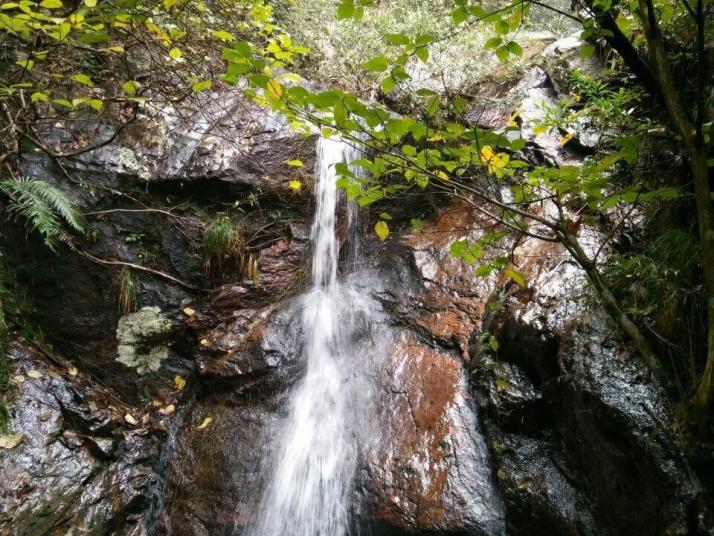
[[61, 203], [44, 206]]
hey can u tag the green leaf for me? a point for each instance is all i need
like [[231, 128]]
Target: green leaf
[[83, 79], [397, 39], [378, 64], [422, 53], [587, 51], [96, 105], [51, 4], [39, 96], [201, 86], [129, 87], [388, 84], [417, 224], [458, 15], [492, 43], [517, 276], [385, 216], [295, 163], [345, 11], [501, 27], [222, 35], [94, 37], [515, 49], [175, 53], [502, 53]]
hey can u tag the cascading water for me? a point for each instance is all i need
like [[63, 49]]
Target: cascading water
[[309, 489]]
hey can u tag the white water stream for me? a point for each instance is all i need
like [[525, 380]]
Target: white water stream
[[308, 492]]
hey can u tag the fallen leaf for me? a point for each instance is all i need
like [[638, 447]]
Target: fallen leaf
[[189, 312], [35, 374], [10, 441], [179, 382], [168, 410], [130, 419], [145, 419], [72, 370], [295, 185], [204, 423], [18, 378]]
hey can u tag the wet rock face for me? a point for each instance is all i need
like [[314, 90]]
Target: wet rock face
[[428, 469], [554, 430], [76, 470], [149, 194]]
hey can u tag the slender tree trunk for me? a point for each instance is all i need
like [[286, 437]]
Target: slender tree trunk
[[612, 306], [696, 153]]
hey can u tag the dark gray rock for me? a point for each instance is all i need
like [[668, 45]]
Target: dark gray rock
[[77, 469]]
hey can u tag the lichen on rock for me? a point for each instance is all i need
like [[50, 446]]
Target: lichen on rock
[[140, 336]]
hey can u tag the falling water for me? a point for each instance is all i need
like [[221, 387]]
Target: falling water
[[309, 489]]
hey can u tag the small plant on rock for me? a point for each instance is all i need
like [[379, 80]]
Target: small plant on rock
[[221, 242]]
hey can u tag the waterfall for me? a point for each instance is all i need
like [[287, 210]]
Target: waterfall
[[309, 487]]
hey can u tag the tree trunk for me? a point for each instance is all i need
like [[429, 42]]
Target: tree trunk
[[696, 153], [612, 306]]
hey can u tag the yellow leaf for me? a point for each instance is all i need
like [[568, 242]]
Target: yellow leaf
[[35, 374], [275, 89], [565, 139], [295, 185], [494, 162], [168, 410], [175, 53], [179, 382], [204, 423], [382, 229], [442, 175], [72, 370], [90, 3], [10, 441], [169, 3], [76, 19], [512, 121], [18, 379], [51, 4], [130, 419], [295, 163], [189, 312]]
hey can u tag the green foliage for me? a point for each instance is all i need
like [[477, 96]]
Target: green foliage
[[221, 241], [46, 209]]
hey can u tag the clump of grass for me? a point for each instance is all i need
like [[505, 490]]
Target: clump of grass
[[221, 242], [126, 282]]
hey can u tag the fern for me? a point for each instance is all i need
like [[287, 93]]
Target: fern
[[45, 207]]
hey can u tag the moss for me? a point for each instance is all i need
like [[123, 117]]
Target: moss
[[139, 337]]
